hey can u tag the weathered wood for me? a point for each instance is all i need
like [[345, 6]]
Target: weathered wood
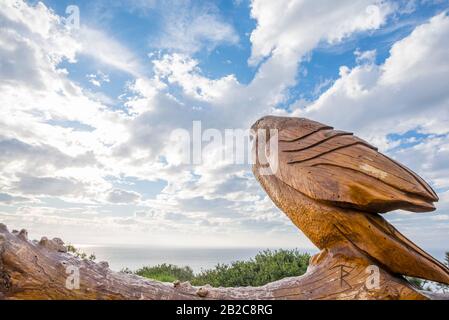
[[40, 270], [332, 185]]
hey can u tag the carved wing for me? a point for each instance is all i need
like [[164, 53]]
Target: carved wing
[[340, 168]]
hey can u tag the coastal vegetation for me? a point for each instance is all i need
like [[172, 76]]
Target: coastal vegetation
[[265, 267]]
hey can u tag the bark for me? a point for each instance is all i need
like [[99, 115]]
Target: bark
[[45, 270]]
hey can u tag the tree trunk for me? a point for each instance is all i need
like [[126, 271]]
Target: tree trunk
[[45, 270]]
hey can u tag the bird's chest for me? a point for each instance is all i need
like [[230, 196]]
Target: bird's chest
[[316, 220]]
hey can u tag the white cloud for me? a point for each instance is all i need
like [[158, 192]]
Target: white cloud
[[52, 186], [122, 196], [34, 40], [10, 199], [429, 157], [39, 158], [189, 27], [106, 50], [97, 79], [47, 123], [365, 57], [290, 28], [182, 70]]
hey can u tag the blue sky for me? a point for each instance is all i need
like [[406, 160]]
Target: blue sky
[[88, 109]]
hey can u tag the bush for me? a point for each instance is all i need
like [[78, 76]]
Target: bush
[[166, 273], [267, 266], [417, 283], [79, 254]]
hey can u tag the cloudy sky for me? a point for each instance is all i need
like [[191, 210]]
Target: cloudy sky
[[86, 111]]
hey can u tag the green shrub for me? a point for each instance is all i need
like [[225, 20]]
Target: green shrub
[[166, 273], [79, 254], [267, 266], [417, 283]]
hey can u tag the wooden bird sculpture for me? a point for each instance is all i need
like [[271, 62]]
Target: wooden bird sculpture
[[333, 185]]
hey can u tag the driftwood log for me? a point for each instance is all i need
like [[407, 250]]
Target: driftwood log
[[44, 270], [331, 184]]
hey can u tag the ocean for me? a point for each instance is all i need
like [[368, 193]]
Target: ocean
[[135, 257]]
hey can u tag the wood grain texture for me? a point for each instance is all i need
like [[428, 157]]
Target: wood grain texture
[[332, 185]]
